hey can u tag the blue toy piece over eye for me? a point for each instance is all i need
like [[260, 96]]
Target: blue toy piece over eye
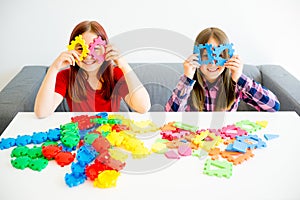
[[213, 53]]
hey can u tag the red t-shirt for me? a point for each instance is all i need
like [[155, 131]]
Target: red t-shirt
[[95, 101]]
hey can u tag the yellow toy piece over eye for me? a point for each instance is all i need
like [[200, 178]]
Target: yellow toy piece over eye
[[81, 41]]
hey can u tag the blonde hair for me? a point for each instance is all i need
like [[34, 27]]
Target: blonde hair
[[226, 94]]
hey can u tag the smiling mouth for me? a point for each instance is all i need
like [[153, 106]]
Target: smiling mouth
[[213, 70], [89, 62]]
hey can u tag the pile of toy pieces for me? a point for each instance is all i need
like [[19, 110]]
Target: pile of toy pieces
[[97, 146]]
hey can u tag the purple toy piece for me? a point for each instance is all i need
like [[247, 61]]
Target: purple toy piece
[[172, 155]]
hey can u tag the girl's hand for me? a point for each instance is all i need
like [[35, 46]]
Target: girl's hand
[[236, 67], [190, 65], [113, 54], [65, 58]]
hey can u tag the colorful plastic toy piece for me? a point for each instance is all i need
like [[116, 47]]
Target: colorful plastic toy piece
[[70, 140], [186, 126], [21, 162], [89, 138], [172, 155], [64, 158], [73, 180], [86, 154], [201, 47], [253, 141], [240, 146], [248, 126], [23, 140], [100, 120], [214, 153], [94, 49], [92, 171], [263, 124], [38, 138], [115, 164], [159, 147], [237, 157], [35, 152], [117, 154], [101, 144], [270, 136], [107, 179], [199, 153], [224, 168], [102, 115], [50, 151], [218, 51], [232, 131], [54, 134], [38, 164], [19, 151], [6, 143], [79, 40], [184, 150], [84, 121]]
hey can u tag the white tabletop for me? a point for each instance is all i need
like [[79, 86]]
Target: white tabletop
[[273, 173]]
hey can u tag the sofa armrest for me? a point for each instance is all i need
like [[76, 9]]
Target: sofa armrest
[[19, 94], [284, 85]]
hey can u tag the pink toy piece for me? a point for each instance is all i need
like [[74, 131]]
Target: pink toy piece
[[184, 150], [97, 41], [172, 155], [232, 131]]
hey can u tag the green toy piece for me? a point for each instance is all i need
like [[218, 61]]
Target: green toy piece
[[248, 126], [19, 151], [70, 126], [48, 143], [35, 152], [21, 162], [70, 140], [89, 138], [224, 168], [99, 121], [38, 164], [114, 121], [185, 126]]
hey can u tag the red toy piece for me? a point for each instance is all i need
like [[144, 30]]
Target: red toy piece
[[51, 151], [119, 127], [101, 144], [84, 121], [64, 158], [92, 171]]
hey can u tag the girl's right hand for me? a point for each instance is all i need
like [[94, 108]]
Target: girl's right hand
[[66, 58], [190, 65]]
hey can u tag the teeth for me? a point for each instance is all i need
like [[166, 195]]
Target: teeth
[[212, 70]]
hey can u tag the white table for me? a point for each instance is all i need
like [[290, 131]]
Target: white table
[[273, 173]]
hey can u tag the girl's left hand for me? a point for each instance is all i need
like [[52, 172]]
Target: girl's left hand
[[236, 67], [113, 54]]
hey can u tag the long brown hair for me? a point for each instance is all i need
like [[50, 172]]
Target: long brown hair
[[226, 94], [78, 77]]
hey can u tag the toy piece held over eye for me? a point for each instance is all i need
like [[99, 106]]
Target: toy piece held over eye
[[213, 53], [85, 48], [93, 49]]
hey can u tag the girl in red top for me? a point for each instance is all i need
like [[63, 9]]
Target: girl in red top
[[89, 83]]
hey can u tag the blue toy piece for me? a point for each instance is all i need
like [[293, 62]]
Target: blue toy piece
[[102, 115], [66, 148], [23, 140], [72, 180], [270, 136], [218, 50], [6, 143], [240, 146], [86, 154], [39, 137], [210, 58], [256, 142], [54, 134], [78, 169]]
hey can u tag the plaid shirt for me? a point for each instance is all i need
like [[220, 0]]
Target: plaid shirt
[[246, 89]]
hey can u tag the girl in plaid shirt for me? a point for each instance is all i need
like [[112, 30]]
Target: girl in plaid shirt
[[208, 87]]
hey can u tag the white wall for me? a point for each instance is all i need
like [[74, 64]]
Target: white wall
[[34, 32]]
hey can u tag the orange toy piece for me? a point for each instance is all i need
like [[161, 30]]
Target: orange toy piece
[[168, 127], [237, 157], [214, 153]]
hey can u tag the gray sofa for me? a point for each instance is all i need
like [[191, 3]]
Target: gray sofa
[[158, 78]]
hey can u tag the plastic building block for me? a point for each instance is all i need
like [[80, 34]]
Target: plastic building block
[[50, 151], [249, 126], [239, 146], [184, 150], [72, 126], [172, 155], [19, 151], [119, 127], [38, 138], [159, 147], [102, 115], [50, 143], [89, 138], [214, 153], [143, 126], [73, 180], [107, 179], [84, 121], [38, 164], [35, 152], [270, 136], [6, 143], [199, 153], [54, 134], [78, 169], [86, 154], [237, 157], [70, 140], [253, 141], [174, 144], [21, 162], [218, 168], [94, 48], [23, 140], [101, 144], [218, 51], [115, 164], [168, 127], [118, 155], [64, 158], [79, 40], [186, 126], [263, 124]]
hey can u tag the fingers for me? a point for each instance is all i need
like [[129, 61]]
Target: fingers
[[192, 61], [111, 52]]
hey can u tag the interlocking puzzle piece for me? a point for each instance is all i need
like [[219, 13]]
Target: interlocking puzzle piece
[[92, 171], [84, 121], [86, 154], [248, 126], [172, 155], [214, 153], [218, 168], [185, 126], [94, 49], [270, 136], [201, 47], [54, 134], [107, 179], [263, 124], [174, 144], [115, 164], [220, 61], [102, 115], [19, 151], [237, 157], [64, 158], [85, 48], [143, 126], [23, 140], [72, 126], [73, 180], [253, 141], [50, 151], [21, 162], [159, 147], [101, 144], [39, 137], [90, 138], [70, 140], [168, 127], [199, 153], [35, 152], [184, 150], [240, 146], [118, 155], [38, 164], [6, 143], [232, 131], [78, 169]]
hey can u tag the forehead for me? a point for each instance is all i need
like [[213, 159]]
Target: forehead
[[213, 41], [89, 37]]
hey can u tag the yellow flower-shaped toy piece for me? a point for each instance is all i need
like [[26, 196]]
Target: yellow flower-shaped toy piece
[[81, 41]]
